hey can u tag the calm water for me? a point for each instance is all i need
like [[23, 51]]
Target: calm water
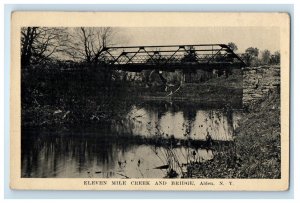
[[146, 143]]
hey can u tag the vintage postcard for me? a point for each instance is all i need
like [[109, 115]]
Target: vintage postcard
[[149, 101]]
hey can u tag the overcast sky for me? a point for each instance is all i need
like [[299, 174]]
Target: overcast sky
[[243, 37]]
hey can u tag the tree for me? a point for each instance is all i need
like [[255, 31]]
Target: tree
[[265, 57], [40, 43], [275, 58], [87, 43], [190, 55], [251, 55], [253, 52], [232, 46]]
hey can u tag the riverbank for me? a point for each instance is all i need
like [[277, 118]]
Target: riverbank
[[66, 98], [258, 139], [257, 146], [215, 92]]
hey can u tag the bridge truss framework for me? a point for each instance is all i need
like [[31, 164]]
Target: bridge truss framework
[[187, 58]]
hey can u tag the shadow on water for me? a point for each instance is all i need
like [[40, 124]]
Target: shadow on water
[[153, 140]]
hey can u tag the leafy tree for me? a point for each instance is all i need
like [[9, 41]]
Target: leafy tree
[[266, 56], [232, 46], [275, 58], [251, 55], [253, 52], [190, 55]]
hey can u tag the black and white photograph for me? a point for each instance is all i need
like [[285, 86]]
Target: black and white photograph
[[151, 102]]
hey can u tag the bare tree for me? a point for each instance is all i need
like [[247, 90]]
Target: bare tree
[[40, 43], [88, 43]]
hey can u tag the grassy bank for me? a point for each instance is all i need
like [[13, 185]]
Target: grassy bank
[[258, 140], [257, 146]]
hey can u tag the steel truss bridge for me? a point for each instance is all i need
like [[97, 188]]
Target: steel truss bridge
[[187, 58]]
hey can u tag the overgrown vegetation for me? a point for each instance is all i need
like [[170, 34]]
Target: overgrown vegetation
[[257, 149], [52, 96], [258, 139]]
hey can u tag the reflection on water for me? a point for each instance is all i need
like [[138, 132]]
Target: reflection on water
[[196, 125], [127, 149]]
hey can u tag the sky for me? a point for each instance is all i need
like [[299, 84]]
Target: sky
[[244, 37]]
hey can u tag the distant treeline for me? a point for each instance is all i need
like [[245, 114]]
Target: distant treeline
[[252, 56], [86, 45]]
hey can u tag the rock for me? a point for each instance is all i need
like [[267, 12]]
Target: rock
[[258, 81]]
